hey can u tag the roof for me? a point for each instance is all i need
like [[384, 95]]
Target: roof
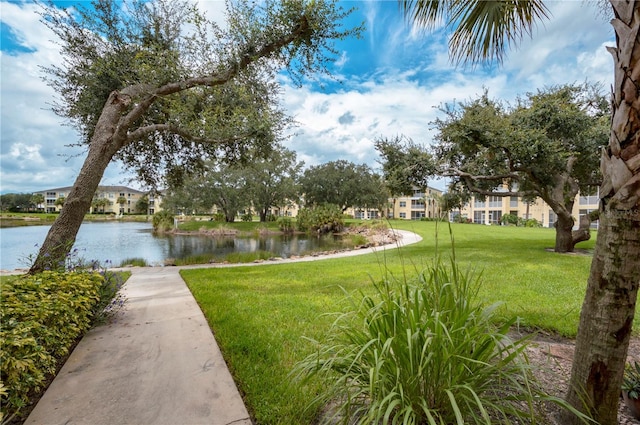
[[119, 189]]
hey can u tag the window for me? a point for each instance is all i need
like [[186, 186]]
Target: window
[[403, 204], [495, 216], [417, 193], [403, 215], [478, 204], [495, 201], [590, 197], [478, 217], [417, 204], [51, 194], [589, 200], [417, 215], [513, 202]]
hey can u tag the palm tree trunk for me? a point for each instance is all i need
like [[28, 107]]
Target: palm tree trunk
[[609, 306]]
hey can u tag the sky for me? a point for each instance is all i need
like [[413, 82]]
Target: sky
[[390, 82]]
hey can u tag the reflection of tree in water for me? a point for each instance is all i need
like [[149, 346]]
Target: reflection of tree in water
[[182, 246]]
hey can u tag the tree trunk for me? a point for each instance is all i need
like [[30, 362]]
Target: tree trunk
[[584, 230], [609, 306], [564, 236], [62, 235], [606, 318]]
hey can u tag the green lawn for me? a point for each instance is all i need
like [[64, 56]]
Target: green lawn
[[261, 314]]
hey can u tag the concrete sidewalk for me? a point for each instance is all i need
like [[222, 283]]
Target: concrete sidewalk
[[157, 364]]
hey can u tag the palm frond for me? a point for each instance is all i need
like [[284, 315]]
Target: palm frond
[[482, 30]]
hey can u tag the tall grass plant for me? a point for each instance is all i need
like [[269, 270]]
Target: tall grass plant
[[424, 351]]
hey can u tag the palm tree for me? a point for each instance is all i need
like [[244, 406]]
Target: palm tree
[[482, 30]]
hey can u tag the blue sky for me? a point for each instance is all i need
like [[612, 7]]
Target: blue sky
[[392, 82]]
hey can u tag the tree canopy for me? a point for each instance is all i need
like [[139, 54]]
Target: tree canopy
[[546, 146], [343, 183], [259, 185], [273, 181], [405, 164]]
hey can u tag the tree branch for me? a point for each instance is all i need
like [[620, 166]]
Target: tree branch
[[454, 172], [141, 132], [248, 56]]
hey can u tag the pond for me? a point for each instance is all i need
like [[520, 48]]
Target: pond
[[115, 242]]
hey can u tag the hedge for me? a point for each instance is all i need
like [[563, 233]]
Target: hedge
[[42, 317]]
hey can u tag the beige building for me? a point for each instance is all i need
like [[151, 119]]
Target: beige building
[[422, 203], [107, 199], [491, 210]]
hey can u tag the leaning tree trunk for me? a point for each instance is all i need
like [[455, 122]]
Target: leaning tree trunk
[[609, 305], [103, 146]]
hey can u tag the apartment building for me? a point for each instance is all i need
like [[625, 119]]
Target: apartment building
[[491, 210], [422, 203], [107, 199]]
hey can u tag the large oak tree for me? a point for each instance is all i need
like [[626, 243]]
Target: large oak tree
[[344, 184], [546, 146], [160, 87], [483, 30]]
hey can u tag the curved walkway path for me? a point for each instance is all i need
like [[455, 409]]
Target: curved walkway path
[[158, 363]]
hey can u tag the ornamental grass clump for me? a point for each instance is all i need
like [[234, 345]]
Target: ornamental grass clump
[[423, 351]]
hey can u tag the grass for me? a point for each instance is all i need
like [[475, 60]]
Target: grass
[[262, 314], [136, 262]]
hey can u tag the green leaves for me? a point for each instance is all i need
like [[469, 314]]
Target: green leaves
[[482, 30], [42, 316]]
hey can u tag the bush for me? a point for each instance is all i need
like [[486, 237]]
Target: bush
[[163, 221], [423, 352], [511, 219], [42, 316], [247, 217], [321, 219], [285, 224], [532, 222]]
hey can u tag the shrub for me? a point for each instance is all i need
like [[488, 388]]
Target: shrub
[[285, 224], [423, 352], [163, 221], [247, 217], [511, 219], [532, 222], [42, 316], [321, 219]]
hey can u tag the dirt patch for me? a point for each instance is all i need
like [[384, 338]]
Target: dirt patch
[[554, 358]]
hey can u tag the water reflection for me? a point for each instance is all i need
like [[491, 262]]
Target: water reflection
[[183, 246]]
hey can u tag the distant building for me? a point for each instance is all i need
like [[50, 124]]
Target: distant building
[[422, 203], [491, 210], [107, 199]]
